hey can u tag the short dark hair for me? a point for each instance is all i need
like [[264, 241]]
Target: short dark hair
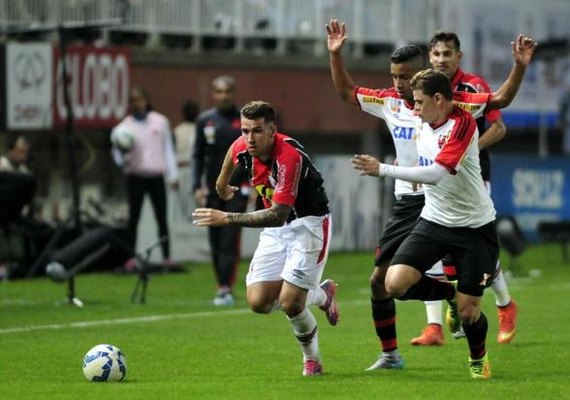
[[430, 82], [190, 111], [445, 36], [409, 53], [258, 109]]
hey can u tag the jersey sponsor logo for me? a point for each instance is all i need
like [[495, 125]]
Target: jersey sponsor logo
[[372, 99], [469, 107], [484, 280], [395, 106], [264, 191], [402, 132], [424, 162]]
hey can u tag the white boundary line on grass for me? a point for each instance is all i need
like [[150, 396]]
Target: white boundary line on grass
[[118, 321]]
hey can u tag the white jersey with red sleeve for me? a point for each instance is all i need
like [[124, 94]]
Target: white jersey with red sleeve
[[401, 122], [460, 199]]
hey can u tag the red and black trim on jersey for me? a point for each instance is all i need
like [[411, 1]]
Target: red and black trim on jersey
[[378, 96], [288, 178], [466, 82], [455, 142]]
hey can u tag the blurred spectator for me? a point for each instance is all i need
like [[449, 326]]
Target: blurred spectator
[[185, 136], [22, 236], [147, 158], [217, 129], [185, 133]]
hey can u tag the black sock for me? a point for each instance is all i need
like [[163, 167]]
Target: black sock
[[476, 334], [384, 316], [429, 289]]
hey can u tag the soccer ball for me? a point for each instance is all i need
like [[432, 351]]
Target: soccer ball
[[123, 138], [104, 363]]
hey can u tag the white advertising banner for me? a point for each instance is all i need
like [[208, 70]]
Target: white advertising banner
[[29, 86]]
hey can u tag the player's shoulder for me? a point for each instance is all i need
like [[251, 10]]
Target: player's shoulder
[[369, 95], [476, 82], [461, 116]]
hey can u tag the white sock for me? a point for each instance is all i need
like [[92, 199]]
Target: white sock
[[433, 312], [305, 329], [316, 297], [500, 289]]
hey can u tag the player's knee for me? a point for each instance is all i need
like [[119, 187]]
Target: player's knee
[[377, 281], [469, 314], [259, 304], [395, 288], [260, 308]]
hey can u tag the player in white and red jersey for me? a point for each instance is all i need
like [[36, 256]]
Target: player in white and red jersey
[[293, 248], [445, 56], [458, 217], [395, 106]]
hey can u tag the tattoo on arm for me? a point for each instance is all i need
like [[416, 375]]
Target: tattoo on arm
[[274, 216]]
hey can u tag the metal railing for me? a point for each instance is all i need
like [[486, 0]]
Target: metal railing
[[369, 21]]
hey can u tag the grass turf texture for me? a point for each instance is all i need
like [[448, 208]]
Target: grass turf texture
[[180, 346]]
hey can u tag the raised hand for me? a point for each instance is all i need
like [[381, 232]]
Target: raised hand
[[336, 35], [523, 50]]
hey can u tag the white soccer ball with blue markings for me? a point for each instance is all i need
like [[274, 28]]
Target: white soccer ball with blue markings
[[104, 363], [123, 137]]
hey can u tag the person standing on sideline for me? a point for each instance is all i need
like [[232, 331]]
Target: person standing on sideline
[[293, 248], [147, 164], [216, 130], [184, 138], [445, 55]]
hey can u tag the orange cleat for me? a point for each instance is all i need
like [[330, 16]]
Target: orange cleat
[[432, 335], [507, 323]]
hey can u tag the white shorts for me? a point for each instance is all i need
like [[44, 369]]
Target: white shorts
[[296, 252]]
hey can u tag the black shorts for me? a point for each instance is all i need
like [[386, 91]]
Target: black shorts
[[405, 215], [474, 250]]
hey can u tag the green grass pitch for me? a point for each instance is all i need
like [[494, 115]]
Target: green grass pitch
[[179, 346]]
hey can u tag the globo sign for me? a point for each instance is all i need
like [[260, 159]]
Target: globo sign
[[98, 84]]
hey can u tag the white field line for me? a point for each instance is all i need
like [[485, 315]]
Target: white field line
[[119, 321], [136, 320]]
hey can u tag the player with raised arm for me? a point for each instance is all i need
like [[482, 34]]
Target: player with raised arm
[[293, 248], [445, 56], [458, 217], [395, 106]]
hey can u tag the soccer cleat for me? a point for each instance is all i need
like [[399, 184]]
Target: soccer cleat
[[312, 368], [330, 307], [432, 335], [224, 299], [507, 323], [386, 361], [460, 334], [452, 319], [481, 368]]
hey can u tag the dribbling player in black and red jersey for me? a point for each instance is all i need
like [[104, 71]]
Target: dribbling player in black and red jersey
[[288, 263]]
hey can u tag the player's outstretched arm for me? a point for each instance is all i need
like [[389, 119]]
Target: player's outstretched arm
[[336, 36], [368, 165], [523, 50], [275, 216]]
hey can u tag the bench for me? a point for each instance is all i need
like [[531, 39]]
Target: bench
[[556, 231]]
